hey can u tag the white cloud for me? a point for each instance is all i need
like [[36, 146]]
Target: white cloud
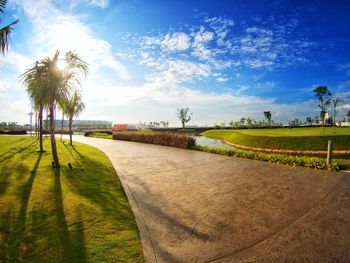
[[66, 32], [158, 98], [99, 3], [221, 79], [222, 27], [176, 42], [200, 49], [179, 71]]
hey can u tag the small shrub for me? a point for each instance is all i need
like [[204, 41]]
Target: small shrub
[[166, 139], [58, 131], [88, 133]]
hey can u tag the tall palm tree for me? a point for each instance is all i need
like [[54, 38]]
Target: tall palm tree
[[55, 85], [34, 79], [74, 107], [75, 67], [5, 31]]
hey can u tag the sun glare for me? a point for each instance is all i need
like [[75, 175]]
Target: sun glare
[[61, 64]]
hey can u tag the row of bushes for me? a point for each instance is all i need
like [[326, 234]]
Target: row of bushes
[[166, 139], [313, 162], [13, 132], [89, 133]]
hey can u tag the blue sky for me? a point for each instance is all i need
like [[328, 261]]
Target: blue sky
[[222, 59]]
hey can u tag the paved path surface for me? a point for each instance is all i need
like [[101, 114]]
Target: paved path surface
[[199, 207]]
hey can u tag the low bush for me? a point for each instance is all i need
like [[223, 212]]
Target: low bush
[[166, 139], [58, 131], [313, 162], [89, 133], [13, 132]]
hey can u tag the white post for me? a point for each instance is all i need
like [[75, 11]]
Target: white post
[[329, 152]]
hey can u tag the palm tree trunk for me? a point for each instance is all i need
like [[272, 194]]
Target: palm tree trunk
[[53, 139], [36, 125], [62, 124], [41, 128], [70, 130]]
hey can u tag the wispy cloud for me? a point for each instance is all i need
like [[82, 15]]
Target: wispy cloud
[[67, 32], [254, 45]]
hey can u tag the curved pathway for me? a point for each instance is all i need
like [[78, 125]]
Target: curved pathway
[[198, 207]]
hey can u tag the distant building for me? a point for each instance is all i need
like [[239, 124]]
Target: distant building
[[80, 125], [129, 127]]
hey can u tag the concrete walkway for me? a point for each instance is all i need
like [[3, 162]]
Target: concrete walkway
[[198, 207]]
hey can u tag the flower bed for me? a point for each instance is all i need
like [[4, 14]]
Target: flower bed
[[313, 162]]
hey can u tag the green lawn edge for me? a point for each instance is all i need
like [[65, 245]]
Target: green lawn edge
[[51, 215], [299, 139]]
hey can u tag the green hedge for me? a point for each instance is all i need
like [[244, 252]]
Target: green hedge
[[166, 139], [13, 132]]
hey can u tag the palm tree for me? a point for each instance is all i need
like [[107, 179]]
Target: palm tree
[[74, 107], [34, 79], [60, 83], [5, 31], [56, 85]]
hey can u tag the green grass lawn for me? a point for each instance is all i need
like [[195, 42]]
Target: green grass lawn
[[50, 215], [101, 135], [290, 139], [284, 138]]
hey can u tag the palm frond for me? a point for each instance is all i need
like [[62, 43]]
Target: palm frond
[[2, 5], [5, 37]]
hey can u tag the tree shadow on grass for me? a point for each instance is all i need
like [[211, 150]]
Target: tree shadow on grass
[[19, 246], [19, 153], [101, 186], [71, 250], [70, 151], [23, 148]]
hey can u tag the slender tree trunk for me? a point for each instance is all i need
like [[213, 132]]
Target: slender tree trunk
[[62, 124], [70, 130], [334, 121], [183, 125], [41, 128], [53, 139], [323, 123], [36, 125]]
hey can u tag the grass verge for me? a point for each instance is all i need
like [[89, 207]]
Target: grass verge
[[50, 215], [312, 162]]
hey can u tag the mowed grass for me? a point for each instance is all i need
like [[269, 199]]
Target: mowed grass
[[284, 138], [50, 215], [291, 139]]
